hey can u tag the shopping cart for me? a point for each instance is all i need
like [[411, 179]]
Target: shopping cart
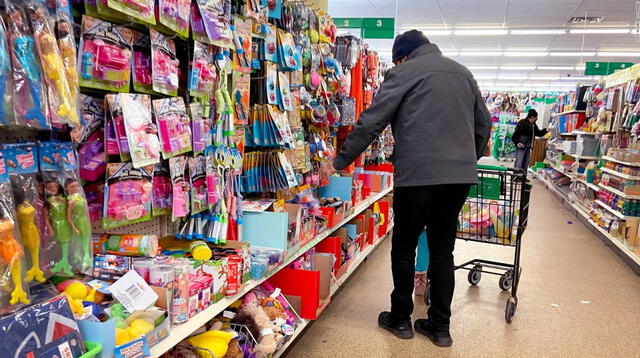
[[496, 212]]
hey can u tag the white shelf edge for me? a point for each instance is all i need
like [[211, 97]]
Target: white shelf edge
[[591, 186], [614, 211], [618, 174], [568, 112], [618, 192], [178, 333], [629, 164], [301, 327]]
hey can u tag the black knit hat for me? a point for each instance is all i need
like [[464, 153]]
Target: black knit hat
[[406, 43]]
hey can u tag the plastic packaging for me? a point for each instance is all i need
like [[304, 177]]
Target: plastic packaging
[[200, 128], [174, 14], [105, 55], [127, 195], [144, 145], [164, 64], [216, 15], [127, 245], [197, 173], [62, 108], [179, 303], [240, 97], [242, 39], [142, 79], [203, 71], [115, 131], [12, 253], [180, 206], [7, 116], [143, 10], [162, 189], [173, 125], [29, 103]]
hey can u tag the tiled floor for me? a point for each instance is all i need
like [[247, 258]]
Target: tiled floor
[[576, 299]]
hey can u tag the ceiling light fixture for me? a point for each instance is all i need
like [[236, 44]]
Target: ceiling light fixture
[[435, 32], [599, 31], [576, 78], [554, 68], [618, 54], [480, 53], [513, 77], [538, 77], [474, 67], [510, 68], [481, 32], [538, 32], [450, 53], [526, 53], [572, 54]]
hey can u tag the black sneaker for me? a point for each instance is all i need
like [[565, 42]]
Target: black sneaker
[[439, 338], [401, 330]]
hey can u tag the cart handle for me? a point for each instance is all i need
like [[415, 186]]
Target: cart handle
[[493, 167]]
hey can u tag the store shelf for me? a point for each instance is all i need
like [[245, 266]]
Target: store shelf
[[614, 211], [336, 286], [629, 164], [621, 175], [568, 134], [618, 192], [583, 157], [591, 186], [567, 112], [178, 333]]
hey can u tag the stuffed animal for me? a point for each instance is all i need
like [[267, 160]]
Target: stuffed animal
[[234, 350], [267, 337]]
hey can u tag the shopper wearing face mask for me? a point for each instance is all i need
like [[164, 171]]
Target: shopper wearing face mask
[[523, 136], [441, 127]]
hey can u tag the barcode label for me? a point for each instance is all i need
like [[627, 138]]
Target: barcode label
[[133, 292]]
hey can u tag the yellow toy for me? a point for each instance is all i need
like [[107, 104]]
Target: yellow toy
[[77, 292], [67, 46], [10, 254], [138, 328], [216, 342], [30, 235]]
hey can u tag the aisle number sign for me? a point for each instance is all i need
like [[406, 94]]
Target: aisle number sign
[[372, 27], [605, 68]]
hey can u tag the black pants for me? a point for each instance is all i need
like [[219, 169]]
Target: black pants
[[436, 207]]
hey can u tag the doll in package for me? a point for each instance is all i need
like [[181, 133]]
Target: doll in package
[[144, 145], [127, 195], [164, 64], [12, 290], [62, 109], [28, 101], [6, 88], [174, 126], [105, 55], [69, 54]]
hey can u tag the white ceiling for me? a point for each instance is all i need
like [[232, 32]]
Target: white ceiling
[[507, 14]]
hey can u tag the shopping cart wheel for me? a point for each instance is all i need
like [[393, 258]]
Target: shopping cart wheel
[[506, 281], [474, 275], [510, 311], [427, 296]]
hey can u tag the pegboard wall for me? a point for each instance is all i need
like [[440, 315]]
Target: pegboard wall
[[157, 226]]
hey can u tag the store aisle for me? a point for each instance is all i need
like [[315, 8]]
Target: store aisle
[[576, 299]]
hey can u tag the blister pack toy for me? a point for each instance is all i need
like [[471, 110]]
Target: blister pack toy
[[11, 250], [105, 55], [29, 103], [242, 40], [164, 64], [241, 97], [67, 46], [142, 134], [213, 177], [110, 14], [6, 84], [270, 44], [180, 185], [174, 126], [203, 72], [62, 108], [174, 14], [127, 195], [115, 129], [200, 127], [91, 150], [162, 189], [197, 175], [284, 92], [272, 83], [216, 17], [143, 10], [77, 209], [198, 32], [142, 71]]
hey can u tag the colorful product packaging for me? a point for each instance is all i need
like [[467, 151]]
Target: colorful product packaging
[[164, 64], [180, 303], [127, 195], [144, 145], [174, 126], [111, 267], [126, 245]]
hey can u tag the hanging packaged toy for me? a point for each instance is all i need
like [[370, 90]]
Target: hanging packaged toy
[[198, 32], [105, 55], [197, 174], [284, 92], [242, 39], [143, 10], [141, 132], [22, 167], [62, 110], [28, 102], [200, 127], [164, 64], [78, 210], [174, 14], [272, 83], [275, 8], [214, 178], [240, 97], [127, 195], [69, 54], [203, 71], [6, 89], [114, 125], [162, 189], [216, 17], [12, 253], [107, 13], [270, 44], [91, 151], [174, 126], [142, 79], [180, 205], [288, 54]]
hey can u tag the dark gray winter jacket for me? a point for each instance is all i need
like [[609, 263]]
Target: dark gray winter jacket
[[440, 122]]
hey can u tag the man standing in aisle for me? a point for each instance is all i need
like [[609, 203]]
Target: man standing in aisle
[[523, 136], [441, 127]]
